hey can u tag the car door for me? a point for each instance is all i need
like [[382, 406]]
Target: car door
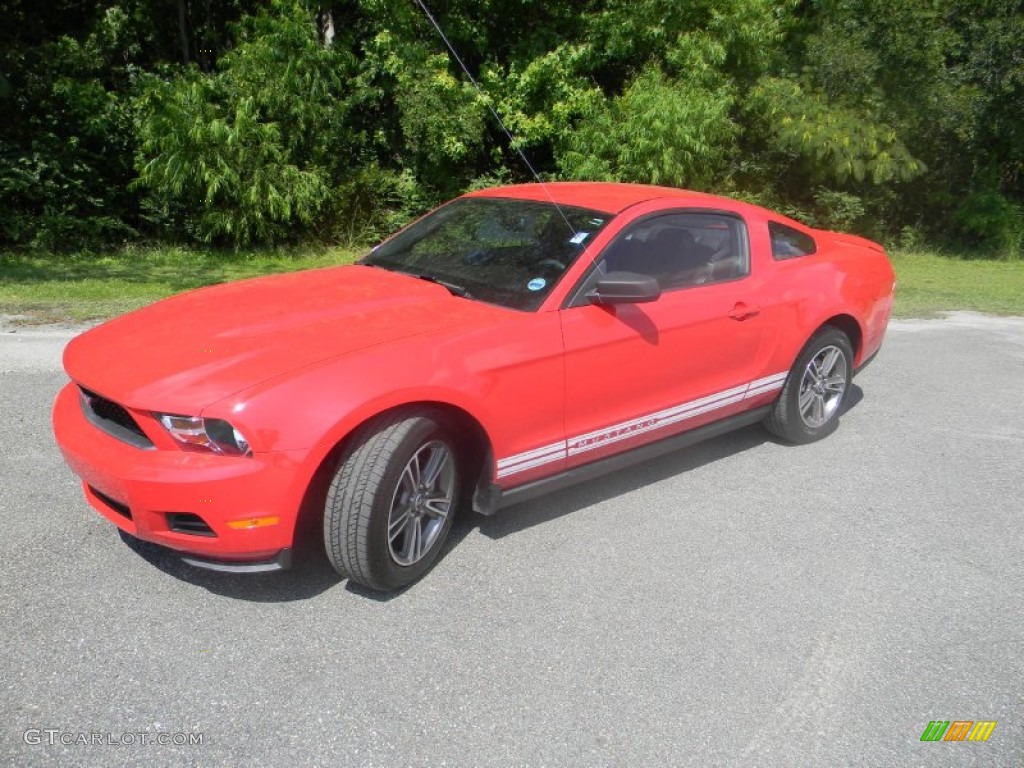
[[639, 372]]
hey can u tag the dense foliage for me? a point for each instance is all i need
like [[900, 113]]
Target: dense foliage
[[244, 122]]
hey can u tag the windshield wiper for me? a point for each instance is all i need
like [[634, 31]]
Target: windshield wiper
[[454, 288]]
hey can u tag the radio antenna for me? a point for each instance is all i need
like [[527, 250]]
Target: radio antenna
[[493, 111]]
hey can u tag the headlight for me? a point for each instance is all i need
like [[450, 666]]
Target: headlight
[[214, 435]]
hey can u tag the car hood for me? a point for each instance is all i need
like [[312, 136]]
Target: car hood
[[189, 351]]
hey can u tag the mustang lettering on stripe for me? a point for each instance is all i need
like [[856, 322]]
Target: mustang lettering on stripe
[[625, 430]]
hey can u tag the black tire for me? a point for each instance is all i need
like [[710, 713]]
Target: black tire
[[794, 424], [373, 480]]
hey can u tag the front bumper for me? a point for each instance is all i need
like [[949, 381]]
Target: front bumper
[[148, 493]]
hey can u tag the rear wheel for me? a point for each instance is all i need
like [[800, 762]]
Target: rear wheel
[[808, 408], [392, 500]]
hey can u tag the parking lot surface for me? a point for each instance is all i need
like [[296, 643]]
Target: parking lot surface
[[742, 602]]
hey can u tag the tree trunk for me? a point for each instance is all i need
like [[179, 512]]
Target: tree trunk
[[326, 22], [183, 29]]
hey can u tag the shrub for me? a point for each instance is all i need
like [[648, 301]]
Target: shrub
[[248, 153], [990, 222]]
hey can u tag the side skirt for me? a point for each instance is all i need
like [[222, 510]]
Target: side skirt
[[490, 497]]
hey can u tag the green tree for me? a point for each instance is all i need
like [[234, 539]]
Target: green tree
[[658, 132], [946, 76], [67, 138], [246, 122], [249, 153]]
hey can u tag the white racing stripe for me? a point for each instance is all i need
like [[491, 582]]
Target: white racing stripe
[[653, 421], [530, 459], [641, 425], [767, 384]]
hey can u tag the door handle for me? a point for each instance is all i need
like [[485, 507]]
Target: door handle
[[744, 311]]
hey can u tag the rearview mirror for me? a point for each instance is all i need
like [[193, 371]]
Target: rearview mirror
[[624, 288]]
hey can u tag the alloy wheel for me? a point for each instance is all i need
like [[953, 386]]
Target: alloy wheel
[[822, 386], [421, 503]]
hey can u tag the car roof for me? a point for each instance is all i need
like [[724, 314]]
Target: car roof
[[609, 197]]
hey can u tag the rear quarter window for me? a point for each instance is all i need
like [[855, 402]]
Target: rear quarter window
[[789, 243]]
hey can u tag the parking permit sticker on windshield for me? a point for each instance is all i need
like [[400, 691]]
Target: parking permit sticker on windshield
[[579, 237], [536, 284]]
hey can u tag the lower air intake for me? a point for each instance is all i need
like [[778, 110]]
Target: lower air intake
[[186, 522]]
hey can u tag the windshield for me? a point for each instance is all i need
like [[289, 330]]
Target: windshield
[[502, 251]]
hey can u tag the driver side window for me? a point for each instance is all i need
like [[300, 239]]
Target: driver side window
[[681, 250]]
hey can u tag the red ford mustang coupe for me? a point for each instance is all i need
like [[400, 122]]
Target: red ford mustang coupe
[[512, 341]]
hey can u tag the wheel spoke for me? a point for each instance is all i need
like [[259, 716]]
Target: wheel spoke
[[438, 506], [438, 458], [806, 396], [414, 471], [807, 411], [399, 524], [818, 409], [415, 548], [409, 478], [828, 364], [835, 383]]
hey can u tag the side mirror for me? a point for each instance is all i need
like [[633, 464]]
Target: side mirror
[[624, 288]]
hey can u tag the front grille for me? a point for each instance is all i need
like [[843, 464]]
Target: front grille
[[113, 419], [186, 522], [108, 410], [117, 506]]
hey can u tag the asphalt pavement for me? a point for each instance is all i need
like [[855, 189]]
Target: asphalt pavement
[[739, 603]]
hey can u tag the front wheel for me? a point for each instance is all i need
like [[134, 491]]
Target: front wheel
[[808, 408], [392, 500]]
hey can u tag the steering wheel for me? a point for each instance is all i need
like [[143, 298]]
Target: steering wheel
[[551, 264], [477, 257]]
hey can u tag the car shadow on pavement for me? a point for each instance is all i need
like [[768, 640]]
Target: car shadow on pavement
[[312, 573], [854, 396], [559, 503], [620, 482]]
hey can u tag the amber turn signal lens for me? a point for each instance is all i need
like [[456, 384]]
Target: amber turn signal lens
[[253, 522]]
